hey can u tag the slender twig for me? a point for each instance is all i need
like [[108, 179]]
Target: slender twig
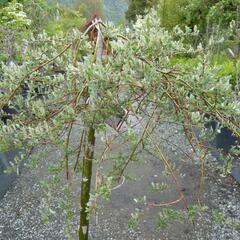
[[167, 164], [12, 94], [79, 150], [145, 129], [150, 205], [67, 151]]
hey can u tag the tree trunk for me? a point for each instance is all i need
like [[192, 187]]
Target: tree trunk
[[89, 153], [86, 183]]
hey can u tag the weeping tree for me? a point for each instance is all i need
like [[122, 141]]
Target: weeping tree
[[111, 88]]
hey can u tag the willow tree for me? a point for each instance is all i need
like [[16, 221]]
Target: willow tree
[[112, 87]]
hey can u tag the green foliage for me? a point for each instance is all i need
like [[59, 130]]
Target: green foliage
[[133, 221], [3, 2], [68, 210], [158, 187], [92, 7], [105, 188], [194, 210], [227, 67], [139, 8], [171, 12], [167, 215], [73, 14], [185, 61], [223, 12], [39, 11], [205, 14], [222, 219], [12, 16], [67, 20], [195, 13], [38, 15], [224, 65]]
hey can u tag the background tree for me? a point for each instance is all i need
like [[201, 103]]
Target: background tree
[[13, 20], [50, 16], [139, 7], [203, 13]]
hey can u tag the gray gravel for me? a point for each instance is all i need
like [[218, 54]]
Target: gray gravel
[[21, 208]]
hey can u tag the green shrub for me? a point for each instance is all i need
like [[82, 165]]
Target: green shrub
[[226, 65]]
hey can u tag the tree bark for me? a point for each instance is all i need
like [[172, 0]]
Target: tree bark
[[86, 184], [89, 153]]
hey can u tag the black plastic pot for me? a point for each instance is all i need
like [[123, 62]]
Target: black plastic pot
[[224, 141], [6, 180]]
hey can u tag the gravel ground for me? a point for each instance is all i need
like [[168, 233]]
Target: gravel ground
[[21, 208]]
